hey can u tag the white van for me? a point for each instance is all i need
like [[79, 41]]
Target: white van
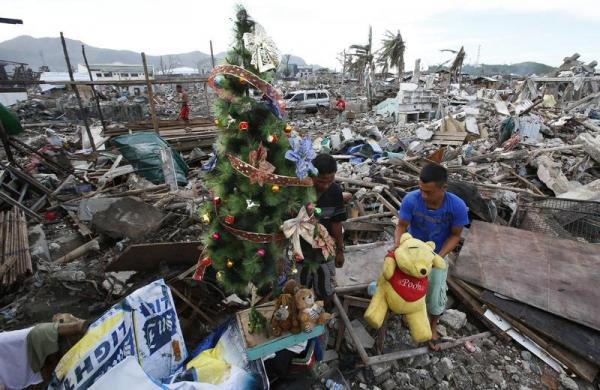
[[308, 100]]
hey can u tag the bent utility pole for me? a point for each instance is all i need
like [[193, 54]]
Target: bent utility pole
[[212, 57], [96, 98], [150, 94], [74, 87]]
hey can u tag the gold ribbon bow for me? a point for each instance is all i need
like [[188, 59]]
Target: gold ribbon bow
[[301, 226]]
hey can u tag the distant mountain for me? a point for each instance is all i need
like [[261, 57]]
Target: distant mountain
[[48, 51], [295, 60], [520, 69]]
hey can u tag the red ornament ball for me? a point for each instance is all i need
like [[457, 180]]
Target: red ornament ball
[[261, 252], [216, 200], [229, 219], [272, 139], [243, 126], [215, 236]]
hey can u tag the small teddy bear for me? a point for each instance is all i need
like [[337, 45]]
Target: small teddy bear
[[310, 312], [285, 316]]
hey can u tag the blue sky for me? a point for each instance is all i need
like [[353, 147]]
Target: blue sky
[[508, 31]]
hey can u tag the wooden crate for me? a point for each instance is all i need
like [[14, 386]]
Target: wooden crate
[[258, 345]]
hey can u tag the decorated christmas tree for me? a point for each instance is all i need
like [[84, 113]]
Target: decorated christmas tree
[[259, 175]]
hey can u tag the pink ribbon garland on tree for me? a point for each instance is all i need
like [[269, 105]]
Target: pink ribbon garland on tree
[[252, 79], [258, 159]]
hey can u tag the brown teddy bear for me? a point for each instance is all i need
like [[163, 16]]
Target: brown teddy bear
[[310, 312], [285, 316]]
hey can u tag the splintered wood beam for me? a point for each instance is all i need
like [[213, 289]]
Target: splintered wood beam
[[195, 308], [77, 95], [361, 350], [423, 350], [11, 21], [370, 216], [150, 94]]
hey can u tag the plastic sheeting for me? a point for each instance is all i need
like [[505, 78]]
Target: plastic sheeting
[[142, 150], [10, 121], [144, 325]]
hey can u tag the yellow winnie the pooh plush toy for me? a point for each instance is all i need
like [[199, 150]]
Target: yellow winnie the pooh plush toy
[[402, 286]]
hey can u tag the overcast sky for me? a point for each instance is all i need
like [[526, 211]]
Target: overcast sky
[[508, 31]]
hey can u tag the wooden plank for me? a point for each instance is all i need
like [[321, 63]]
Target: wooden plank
[[450, 136], [28, 179], [361, 266], [361, 350], [577, 338], [150, 94], [424, 350], [141, 257], [449, 139], [195, 308], [361, 227], [447, 142], [11, 21], [371, 216], [12, 202], [553, 275], [82, 112], [576, 363], [360, 183]]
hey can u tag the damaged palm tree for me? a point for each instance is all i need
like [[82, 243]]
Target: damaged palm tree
[[457, 64], [391, 54], [363, 64]]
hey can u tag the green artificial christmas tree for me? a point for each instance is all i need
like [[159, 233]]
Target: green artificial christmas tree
[[258, 176]]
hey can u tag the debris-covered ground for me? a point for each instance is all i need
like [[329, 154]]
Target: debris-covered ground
[[97, 220]]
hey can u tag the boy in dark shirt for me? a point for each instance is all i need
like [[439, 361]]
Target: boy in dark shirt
[[331, 202], [333, 212]]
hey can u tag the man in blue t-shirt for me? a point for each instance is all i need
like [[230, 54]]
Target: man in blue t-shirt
[[433, 214]]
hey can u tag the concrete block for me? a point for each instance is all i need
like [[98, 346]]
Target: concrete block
[[128, 217]]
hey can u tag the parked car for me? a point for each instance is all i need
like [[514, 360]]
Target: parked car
[[308, 100]]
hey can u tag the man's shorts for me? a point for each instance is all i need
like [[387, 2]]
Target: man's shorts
[[436, 292], [322, 280]]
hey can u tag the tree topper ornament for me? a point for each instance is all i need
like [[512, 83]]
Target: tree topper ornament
[[265, 55]]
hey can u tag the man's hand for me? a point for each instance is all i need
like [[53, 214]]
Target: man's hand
[[339, 259], [401, 228]]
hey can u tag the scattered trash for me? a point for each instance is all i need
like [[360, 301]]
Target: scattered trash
[[118, 235]]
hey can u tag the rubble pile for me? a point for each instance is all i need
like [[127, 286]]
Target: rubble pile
[[523, 155], [485, 363]]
